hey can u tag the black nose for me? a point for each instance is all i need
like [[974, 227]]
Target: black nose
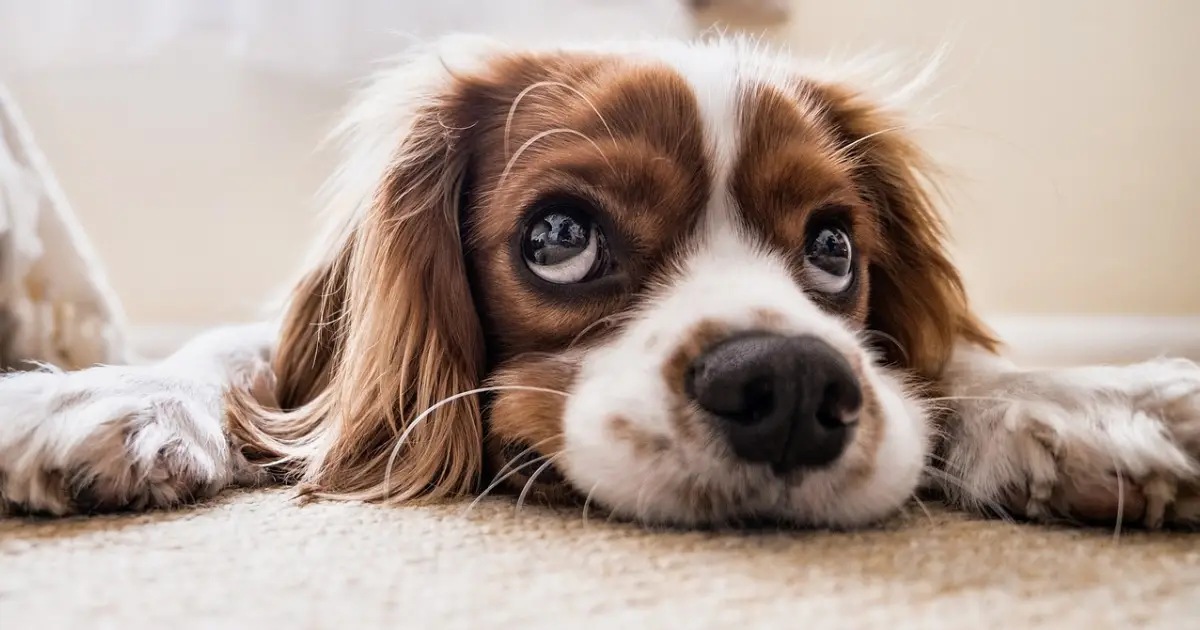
[[790, 402]]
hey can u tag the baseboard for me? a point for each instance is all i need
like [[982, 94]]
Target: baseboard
[[1075, 340], [1031, 339]]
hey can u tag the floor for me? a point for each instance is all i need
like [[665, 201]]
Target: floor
[[258, 559]]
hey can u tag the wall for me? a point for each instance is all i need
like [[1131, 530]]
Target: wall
[[1070, 129]]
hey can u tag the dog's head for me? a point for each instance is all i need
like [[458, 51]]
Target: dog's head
[[678, 271]]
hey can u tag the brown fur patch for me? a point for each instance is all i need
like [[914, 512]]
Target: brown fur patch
[[916, 293], [644, 443], [382, 329], [861, 457], [634, 150], [688, 424], [767, 319], [839, 153], [701, 337], [529, 421], [788, 175]]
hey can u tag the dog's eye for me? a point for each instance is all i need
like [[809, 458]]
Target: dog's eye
[[828, 260], [563, 245]]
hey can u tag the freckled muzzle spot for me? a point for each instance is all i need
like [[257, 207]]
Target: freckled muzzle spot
[[860, 457], [643, 443], [701, 336]]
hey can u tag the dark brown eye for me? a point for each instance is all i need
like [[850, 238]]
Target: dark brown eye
[[562, 244], [828, 260]]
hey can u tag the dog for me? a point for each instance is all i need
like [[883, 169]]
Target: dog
[[690, 283]]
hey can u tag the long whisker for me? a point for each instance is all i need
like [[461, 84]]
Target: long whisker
[[921, 504], [970, 492], [975, 398], [1023, 152], [502, 475], [549, 132], [499, 480], [896, 342], [512, 110], [1120, 505], [529, 484], [587, 502], [843, 151], [608, 319], [1120, 494], [531, 447], [387, 474]]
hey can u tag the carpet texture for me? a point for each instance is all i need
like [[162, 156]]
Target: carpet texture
[[257, 559]]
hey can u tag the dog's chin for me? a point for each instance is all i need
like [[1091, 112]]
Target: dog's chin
[[694, 482], [758, 501]]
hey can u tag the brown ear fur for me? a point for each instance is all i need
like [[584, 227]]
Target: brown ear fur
[[383, 328], [916, 296]]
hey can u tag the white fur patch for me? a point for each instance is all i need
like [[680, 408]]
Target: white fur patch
[[728, 280], [127, 436]]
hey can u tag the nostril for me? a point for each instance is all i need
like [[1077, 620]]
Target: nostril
[[790, 402], [840, 405]]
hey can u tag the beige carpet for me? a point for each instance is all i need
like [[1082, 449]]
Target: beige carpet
[[256, 559]]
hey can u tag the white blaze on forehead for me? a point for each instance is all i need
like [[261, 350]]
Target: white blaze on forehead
[[730, 277], [715, 75]]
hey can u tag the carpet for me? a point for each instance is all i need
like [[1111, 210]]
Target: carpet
[[258, 559]]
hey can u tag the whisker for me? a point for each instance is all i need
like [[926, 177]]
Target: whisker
[[531, 447], [506, 471], [976, 398], [499, 480], [1120, 505], [1120, 493], [842, 152], [1019, 150], [529, 484], [512, 110], [896, 342], [549, 132], [387, 474], [587, 502], [921, 504], [970, 493], [608, 319], [939, 458]]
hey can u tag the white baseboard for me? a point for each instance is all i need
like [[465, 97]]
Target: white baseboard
[[1031, 339], [1074, 340]]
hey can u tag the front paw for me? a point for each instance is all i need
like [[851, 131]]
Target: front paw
[[92, 442], [1099, 445]]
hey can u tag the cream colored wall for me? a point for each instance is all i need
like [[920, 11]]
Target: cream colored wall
[[194, 182], [1072, 130], [1071, 127]]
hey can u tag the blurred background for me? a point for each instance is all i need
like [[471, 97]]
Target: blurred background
[[184, 131]]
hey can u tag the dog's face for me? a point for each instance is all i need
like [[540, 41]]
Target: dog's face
[[669, 265]]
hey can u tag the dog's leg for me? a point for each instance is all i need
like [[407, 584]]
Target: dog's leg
[[130, 437], [1093, 444]]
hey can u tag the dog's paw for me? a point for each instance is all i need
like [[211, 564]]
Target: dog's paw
[[1099, 444], [110, 438]]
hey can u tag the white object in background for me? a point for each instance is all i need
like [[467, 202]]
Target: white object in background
[[313, 38], [56, 302]]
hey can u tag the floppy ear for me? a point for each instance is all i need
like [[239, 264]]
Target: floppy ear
[[383, 326], [916, 292]]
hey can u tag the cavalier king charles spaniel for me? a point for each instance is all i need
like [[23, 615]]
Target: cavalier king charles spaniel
[[695, 284]]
